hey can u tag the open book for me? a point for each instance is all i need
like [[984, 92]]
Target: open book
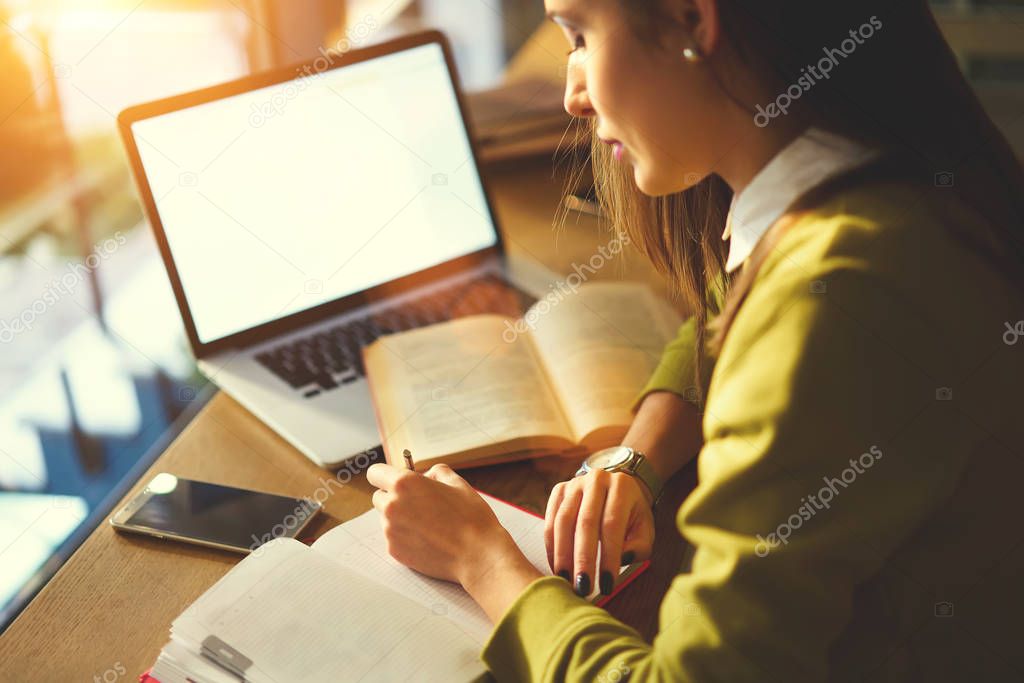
[[484, 388], [339, 610]]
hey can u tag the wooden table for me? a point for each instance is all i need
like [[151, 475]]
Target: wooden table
[[107, 612]]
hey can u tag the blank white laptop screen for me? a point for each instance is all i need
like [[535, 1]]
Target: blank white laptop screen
[[281, 199]]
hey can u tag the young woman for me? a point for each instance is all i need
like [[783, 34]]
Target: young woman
[[822, 170]]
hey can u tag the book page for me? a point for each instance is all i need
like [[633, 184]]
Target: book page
[[359, 544], [599, 346], [299, 615], [461, 386]]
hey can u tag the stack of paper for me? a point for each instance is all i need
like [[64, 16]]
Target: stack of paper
[[340, 610]]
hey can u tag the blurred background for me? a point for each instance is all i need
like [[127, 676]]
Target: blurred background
[[95, 373]]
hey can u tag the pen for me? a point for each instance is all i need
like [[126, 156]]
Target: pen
[[408, 460]]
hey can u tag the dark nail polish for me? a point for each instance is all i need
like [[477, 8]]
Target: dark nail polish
[[606, 582], [628, 557], [582, 584], [565, 575]]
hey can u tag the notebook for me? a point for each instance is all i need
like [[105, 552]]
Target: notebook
[[339, 610]]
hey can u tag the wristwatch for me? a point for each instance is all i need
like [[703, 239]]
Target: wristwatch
[[625, 459]]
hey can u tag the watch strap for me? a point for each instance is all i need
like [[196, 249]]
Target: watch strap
[[646, 474]]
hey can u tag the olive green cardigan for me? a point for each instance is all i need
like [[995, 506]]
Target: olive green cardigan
[[858, 515]]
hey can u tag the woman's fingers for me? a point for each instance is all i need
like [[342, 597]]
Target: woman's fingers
[[445, 475], [386, 476], [639, 535], [614, 525], [380, 499], [554, 501], [588, 530], [639, 541], [565, 528]]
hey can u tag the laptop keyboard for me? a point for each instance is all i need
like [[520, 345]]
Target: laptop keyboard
[[333, 357]]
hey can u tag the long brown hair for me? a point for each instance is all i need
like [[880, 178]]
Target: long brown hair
[[901, 91]]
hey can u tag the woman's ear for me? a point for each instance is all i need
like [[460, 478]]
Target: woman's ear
[[700, 21]]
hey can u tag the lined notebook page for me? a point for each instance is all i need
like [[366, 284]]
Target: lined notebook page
[[360, 546], [301, 616]]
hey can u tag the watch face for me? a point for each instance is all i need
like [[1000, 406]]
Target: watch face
[[609, 458]]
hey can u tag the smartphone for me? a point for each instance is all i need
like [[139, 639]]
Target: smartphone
[[213, 515]]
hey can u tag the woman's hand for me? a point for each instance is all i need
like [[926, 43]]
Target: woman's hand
[[437, 524], [614, 509]]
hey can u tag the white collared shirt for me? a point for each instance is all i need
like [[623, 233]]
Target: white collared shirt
[[809, 160]]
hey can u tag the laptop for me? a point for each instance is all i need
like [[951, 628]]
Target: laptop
[[305, 212]]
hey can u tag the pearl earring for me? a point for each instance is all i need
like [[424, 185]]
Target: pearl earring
[[691, 54]]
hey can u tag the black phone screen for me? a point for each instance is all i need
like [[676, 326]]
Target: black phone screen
[[220, 514]]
